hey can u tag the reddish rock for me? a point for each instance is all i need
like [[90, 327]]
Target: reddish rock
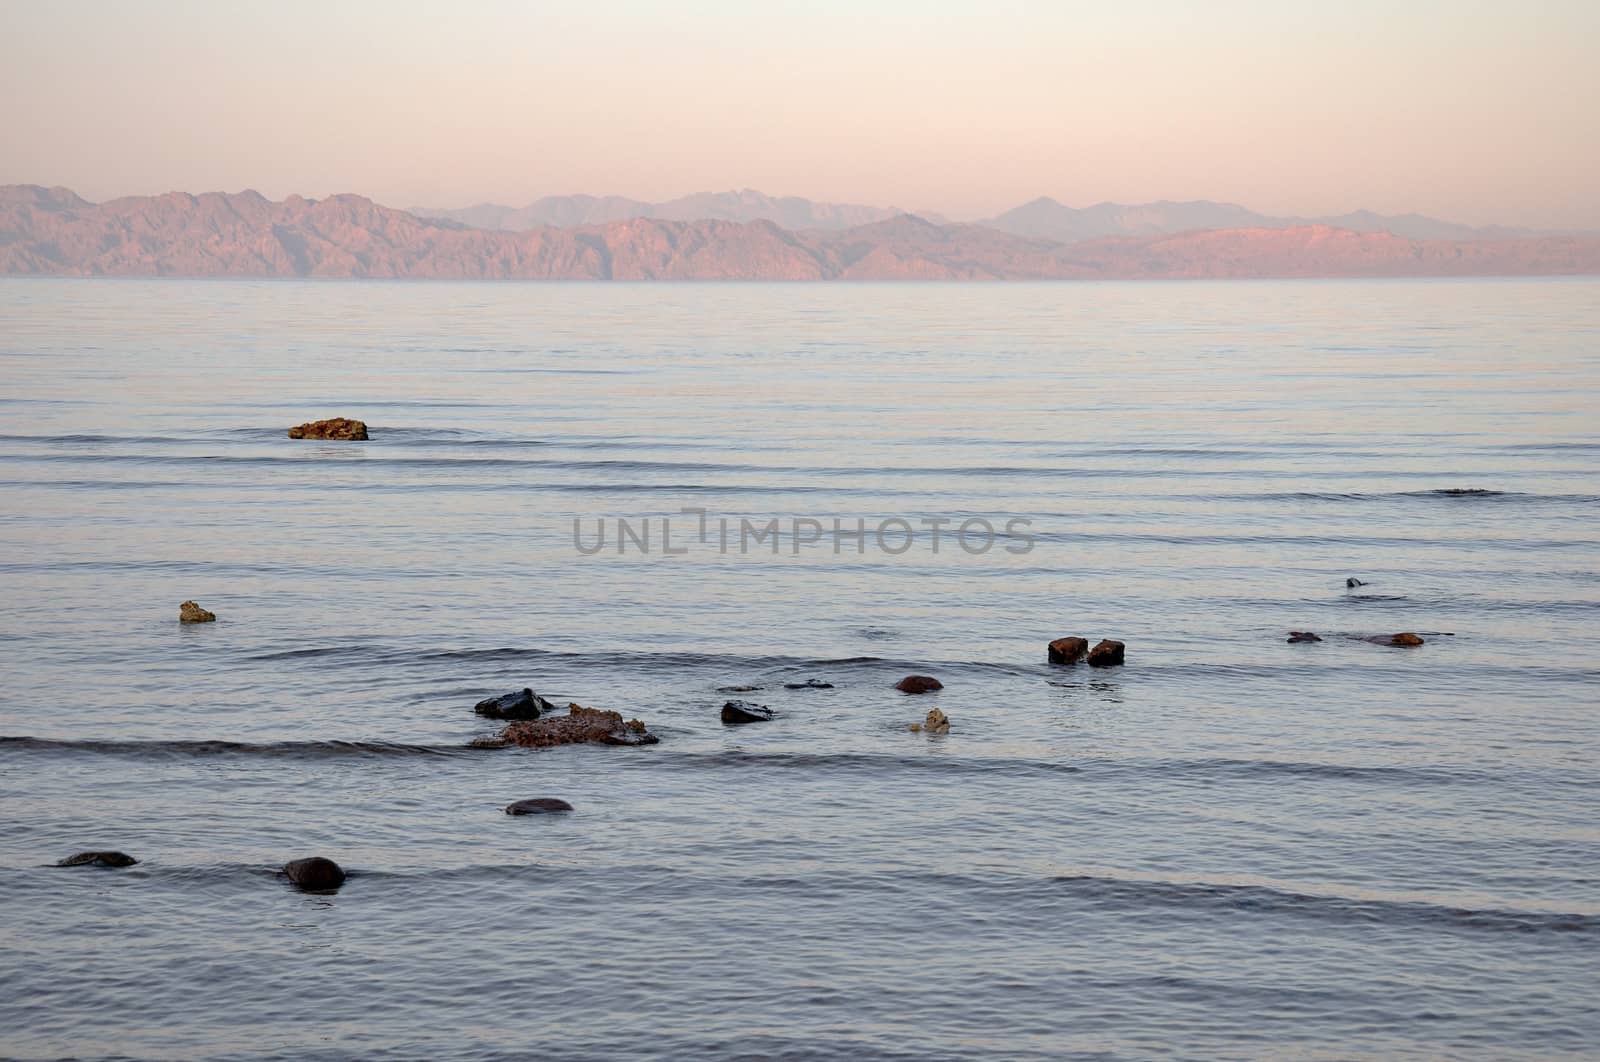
[[1106, 654], [1303, 636], [1067, 650], [579, 726], [337, 428], [1404, 640], [918, 684], [189, 612]]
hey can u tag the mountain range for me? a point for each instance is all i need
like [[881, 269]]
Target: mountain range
[[55, 231]]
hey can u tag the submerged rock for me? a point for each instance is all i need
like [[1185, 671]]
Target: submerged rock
[[580, 726], [1106, 654], [1303, 636], [918, 684], [808, 684], [189, 612], [737, 712], [334, 428], [488, 741], [1067, 650], [936, 722], [98, 859], [1403, 640], [522, 704], [314, 873], [738, 689], [538, 806]]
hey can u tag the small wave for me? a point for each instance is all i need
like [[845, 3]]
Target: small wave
[[203, 748]]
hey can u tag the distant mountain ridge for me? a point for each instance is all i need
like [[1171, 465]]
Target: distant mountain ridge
[[568, 211], [55, 232]]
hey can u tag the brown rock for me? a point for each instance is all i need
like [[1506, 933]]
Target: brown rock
[[918, 684], [578, 727], [189, 612], [1067, 650], [538, 806], [1106, 654], [336, 428], [1303, 636], [1404, 640], [314, 873], [936, 722]]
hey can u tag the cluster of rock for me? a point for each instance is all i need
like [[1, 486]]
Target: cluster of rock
[[535, 725], [1106, 653], [189, 612], [340, 428]]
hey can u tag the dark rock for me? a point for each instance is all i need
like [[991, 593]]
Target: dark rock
[[736, 712], [315, 873], [523, 704], [336, 428], [98, 859], [918, 684], [578, 727], [1404, 640], [936, 722], [1067, 650], [1303, 636], [1353, 582], [1460, 492], [189, 612], [538, 806], [738, 689], [1106, 654], [808, 684]]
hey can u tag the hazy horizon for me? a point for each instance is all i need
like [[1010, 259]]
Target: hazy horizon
[[1466, 112]]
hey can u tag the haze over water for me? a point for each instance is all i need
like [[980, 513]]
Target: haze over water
[[1231, 847]]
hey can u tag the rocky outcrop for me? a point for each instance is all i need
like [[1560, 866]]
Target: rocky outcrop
[[918, 684], [339, 428], [314, 873], [736, 713], [520, 704], [936, 722], [1067, 650], [189, 612], [538, 806], [1106, 653], [1303, 636], [808, 684], [1404, 640], [98, 859], [580, 726]]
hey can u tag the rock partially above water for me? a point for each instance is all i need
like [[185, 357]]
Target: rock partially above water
[[1403, 640], [1303, 636], [936, 722], [1067, 650], [98, 859], [522, 704], [1106, 654], [735, 713], [918, 684], [1353, 582], [315, 873], [538, 806], [808, 684], [580, 726], [189, 612], [336, 428], [738, 689]]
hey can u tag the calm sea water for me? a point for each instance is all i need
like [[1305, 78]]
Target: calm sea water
[[1231, 847]]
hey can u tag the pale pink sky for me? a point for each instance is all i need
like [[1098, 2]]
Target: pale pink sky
[[1475, 111]]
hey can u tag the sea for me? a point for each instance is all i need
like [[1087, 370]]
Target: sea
[[636, 496]]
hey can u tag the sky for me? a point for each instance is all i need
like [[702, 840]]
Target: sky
[[1473, 111]]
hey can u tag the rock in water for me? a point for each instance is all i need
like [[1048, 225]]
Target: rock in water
[[1404, 640], [936, 722], [98, 859], [918, 684], [579, 726], [1067, 650], [808, 684], [1353, 582], [538, 806], [738, 689], [336, 428], [1106, 654], [1303, 636], [737, 712], [314, 873], [189, 612], [523, 704]]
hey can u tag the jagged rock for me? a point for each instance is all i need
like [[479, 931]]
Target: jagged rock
[[1353, 582], [189, 612], [579, 726], [1303, 636], [1106, 654], [1403, 640], [808, 684], [522, 704], [538, 806], [314, 873], [335, 428], [737, 712], [1067, 650], [98, 859], [936, 722], [918, 684]]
